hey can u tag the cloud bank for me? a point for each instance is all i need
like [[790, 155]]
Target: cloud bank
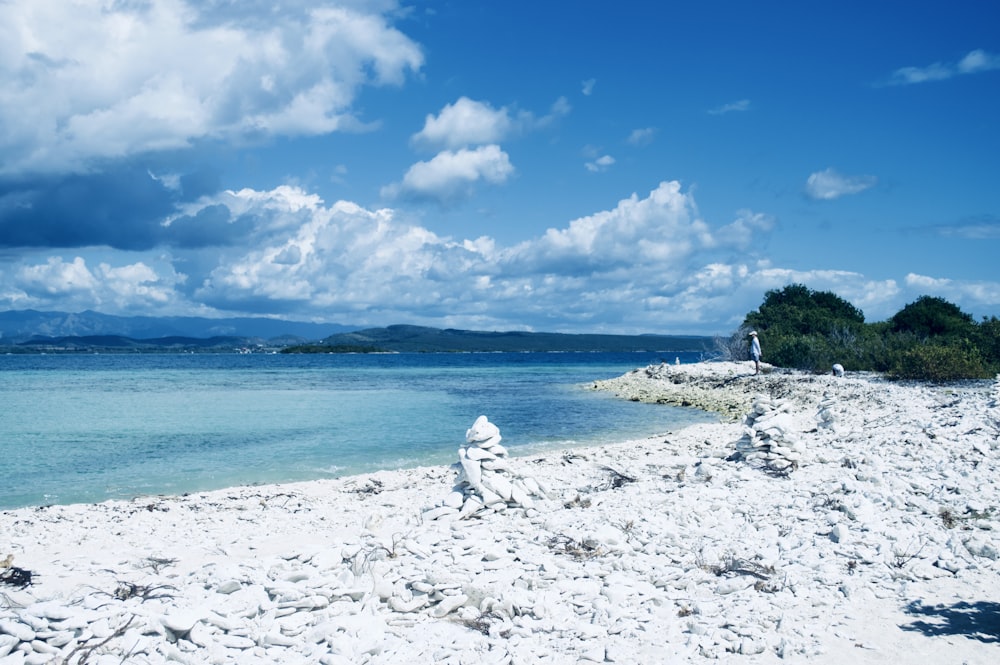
[[648, 264], [89, 81]]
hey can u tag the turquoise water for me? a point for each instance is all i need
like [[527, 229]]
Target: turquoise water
[[86, 428]]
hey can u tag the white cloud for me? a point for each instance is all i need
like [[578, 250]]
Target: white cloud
[[641, 137], [972, 295], [827, 185], [973, 62], [741, 232], [647, 264], [588, 87], [90, 80], [978, 61], [56, 277], [464, 123], [984, 227], [76, 286], [601, 164], [451, 174], [658, 232], [741, 105], [468, 123]]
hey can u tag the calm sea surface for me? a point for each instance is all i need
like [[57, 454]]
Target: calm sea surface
[[86, 428]]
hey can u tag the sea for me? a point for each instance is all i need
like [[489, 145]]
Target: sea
[[83, 428]]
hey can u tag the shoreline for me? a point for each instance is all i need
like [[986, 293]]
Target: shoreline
[[882, 543]]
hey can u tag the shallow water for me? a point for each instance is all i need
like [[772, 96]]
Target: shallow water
[[86, 428]]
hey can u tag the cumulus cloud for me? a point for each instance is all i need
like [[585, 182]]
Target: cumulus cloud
[[76, 286], [660, 231], [827, 185], [468, 133], [452, 174], [973, 62], [588, 87], [972, 294], [649, 263], [466, 122], [88, 81]]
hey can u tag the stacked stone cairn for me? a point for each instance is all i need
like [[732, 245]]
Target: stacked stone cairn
[[993, 414], [826, 415], [486, 480], [769, 437]]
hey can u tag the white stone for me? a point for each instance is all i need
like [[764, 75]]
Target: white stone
[[17, 629], [454, 499], [7, 644], [473, 472], [397, 604], [180, 621], [438, 512], [448, 605], [496, 464], [481, 430], [479, 454], [235, 641], [472, 505], [498, 484], [838, 533]]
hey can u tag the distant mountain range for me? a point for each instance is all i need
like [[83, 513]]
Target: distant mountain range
[[18, 326], [33, 331]]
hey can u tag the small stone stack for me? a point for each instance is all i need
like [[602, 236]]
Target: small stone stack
[[768, 436], [826, 416], [993, 414], [486, 481]]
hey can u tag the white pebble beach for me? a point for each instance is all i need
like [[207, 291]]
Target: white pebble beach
[[824, 519]]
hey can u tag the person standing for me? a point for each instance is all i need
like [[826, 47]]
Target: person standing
[[755, 351]]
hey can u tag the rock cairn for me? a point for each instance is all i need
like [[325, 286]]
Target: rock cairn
[[486, 480], [993, 415], [826, 415], [769, 437]]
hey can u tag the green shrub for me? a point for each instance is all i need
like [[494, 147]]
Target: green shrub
[[988, 341], [929, 316], [940, 362]]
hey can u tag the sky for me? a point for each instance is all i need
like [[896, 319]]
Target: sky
[[642, 166]]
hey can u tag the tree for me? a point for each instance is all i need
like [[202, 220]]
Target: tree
[[929, 316], [807, 329], [798, 310]]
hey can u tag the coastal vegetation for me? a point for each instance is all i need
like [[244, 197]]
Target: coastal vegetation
[[422, 339], [332, 348], [929, 339]]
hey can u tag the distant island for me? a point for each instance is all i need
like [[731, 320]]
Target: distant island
[[390, 339], [421, 339]]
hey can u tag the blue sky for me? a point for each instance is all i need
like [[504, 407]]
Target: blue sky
[[627, 167]]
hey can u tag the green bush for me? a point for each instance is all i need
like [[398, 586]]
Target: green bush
[[988, 341], [798, 310], [928, 316], [940, 362]]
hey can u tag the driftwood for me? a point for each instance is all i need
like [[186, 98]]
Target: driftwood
[[16, 577]]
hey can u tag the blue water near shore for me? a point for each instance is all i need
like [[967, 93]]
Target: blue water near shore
[[87, 428]]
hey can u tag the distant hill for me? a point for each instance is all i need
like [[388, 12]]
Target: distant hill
[[406, 338], [21, 325], [111, 343], [30, 331]]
